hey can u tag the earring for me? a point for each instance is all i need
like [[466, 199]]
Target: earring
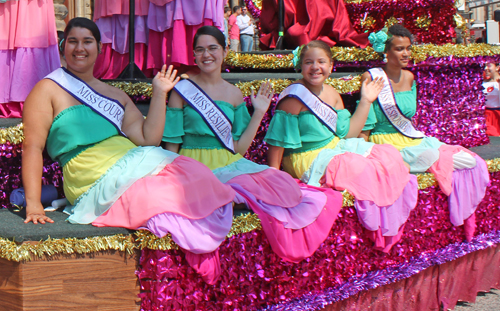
[[385, 58]]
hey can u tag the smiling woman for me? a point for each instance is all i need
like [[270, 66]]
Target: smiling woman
[[209, 117], [308, 136], [461, 174], [93, 131]]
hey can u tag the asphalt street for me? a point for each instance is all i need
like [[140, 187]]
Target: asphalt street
[[484, 302]]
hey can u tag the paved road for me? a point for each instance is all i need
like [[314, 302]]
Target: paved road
[[484, 302]]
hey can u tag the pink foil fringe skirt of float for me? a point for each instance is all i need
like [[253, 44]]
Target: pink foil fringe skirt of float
[[344, 265]]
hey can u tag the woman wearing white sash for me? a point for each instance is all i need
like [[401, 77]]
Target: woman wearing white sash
[[492, 94], [461, 174], [107, 178], [296, 218], [313, 148]]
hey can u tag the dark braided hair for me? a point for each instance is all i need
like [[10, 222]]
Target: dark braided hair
[[399, 31]]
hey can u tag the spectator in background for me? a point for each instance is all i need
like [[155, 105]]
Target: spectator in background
[[227, 14], [245, 24], [234, 31]]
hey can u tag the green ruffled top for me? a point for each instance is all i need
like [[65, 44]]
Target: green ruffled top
[[378, 123], [303, 132], [185, 126], [75, 129]]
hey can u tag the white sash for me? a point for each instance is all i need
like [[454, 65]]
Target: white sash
[[387, 103], [324, 112], [213, 116], [110, 109]]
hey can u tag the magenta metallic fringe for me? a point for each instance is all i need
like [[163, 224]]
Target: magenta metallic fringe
[[254, 277], [10, 172], [451, 104]]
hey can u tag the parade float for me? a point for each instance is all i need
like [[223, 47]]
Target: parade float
[[55, 266]]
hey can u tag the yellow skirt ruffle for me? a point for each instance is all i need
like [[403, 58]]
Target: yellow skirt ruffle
[[213, 158], [82, 171], [398, 140], [297, 164]]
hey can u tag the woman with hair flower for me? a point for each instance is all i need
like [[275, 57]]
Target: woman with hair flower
[[461, 174], [314, 138]]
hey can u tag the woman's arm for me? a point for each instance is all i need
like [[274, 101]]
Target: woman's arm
[[175, 101], [275, 153], [260, 103], [149, 131], [37, 120], [369, 93], [275, 156], [365, 135]]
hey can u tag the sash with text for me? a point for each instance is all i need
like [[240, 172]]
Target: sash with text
[[110, 109], [387, 103], [213, 116], [324, 112]]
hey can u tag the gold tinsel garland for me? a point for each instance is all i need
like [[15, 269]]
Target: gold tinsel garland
[[146, 239], [13, 251], [133, 89], [257, 3], [351, 54], [343, 86], [13, 134], [493, 165], [241, 224]]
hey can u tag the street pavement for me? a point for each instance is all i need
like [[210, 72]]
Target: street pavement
[[484, 302]]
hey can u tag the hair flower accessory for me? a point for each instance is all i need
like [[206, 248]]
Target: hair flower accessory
[[378, 40], [296, 57]]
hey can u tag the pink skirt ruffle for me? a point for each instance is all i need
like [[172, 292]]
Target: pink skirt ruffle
[[110, 63], [22, 68], [296, 217], [295, 245], [380, 177], [387, 222], [468, 190], [27, 24], [11, 110], [105, 8], [185, 187], [174, 46]]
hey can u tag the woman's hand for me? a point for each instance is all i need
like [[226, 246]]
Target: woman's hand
[[36, 215], [165, 80], [262, 101], [370, 90]]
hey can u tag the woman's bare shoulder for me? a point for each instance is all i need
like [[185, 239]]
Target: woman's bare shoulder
[[114, 93], [233, 94]]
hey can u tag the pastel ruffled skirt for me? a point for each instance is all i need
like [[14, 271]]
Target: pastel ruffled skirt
[[461, 174], [296, 217], [384, 191]]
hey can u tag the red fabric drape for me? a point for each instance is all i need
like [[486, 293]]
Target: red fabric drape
[[307, 20]]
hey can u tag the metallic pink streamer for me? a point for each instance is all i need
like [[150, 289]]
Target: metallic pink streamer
[[254, 277]]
